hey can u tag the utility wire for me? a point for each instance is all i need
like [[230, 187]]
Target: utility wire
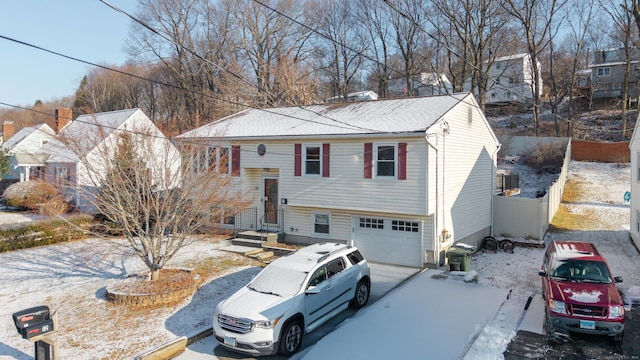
[[267, 110], [237, 76]]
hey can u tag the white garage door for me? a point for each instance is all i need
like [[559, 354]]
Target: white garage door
[[391, 241]]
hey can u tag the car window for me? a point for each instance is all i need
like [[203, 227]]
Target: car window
[[318, 276], [335, 266], [355, 257], [582, 270]]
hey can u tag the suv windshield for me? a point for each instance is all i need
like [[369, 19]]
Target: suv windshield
[[581, 270], [278, 281]]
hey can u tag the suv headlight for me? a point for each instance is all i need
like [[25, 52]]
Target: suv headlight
[[557, 307], [267, 324], [616, 311]]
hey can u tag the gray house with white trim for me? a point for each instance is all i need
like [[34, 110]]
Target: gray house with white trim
[[402, 179]]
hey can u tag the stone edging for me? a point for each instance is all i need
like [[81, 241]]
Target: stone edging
[[163, 298]]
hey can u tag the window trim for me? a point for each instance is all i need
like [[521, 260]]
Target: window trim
[[376, 148], [207, 159], [313, 223], [305, 160]]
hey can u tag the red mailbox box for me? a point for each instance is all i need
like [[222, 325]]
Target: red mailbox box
[[30, 317]]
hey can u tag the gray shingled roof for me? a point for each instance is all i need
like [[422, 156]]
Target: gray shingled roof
[[26, 132], [370, 117], [90, 129]]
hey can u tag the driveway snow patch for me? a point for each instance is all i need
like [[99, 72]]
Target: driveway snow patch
[[408, 321]]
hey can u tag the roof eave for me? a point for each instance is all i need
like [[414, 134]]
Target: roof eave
[[416, 133]]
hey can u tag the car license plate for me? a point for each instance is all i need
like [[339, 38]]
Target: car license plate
[[586, 324], [229, 341]]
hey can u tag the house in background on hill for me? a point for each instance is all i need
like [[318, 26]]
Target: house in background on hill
[[402, 179], [510, 80], [424, 84], [608, 71]]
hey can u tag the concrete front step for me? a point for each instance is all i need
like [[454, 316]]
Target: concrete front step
[[247, 242], [258, 235]]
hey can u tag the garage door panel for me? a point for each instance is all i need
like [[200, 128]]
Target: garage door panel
[[389, 241]]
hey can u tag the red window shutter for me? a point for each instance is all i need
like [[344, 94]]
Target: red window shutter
[[402, 161], [235, 160], [297, 164], [325, 160], [368, 160]]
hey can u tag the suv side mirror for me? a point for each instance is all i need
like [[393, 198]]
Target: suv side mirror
[[617, 279], [312, 290], [542, 273]]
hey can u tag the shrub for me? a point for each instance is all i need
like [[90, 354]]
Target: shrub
[[30, 195], [44, 232], [547, 156], [54, 206]]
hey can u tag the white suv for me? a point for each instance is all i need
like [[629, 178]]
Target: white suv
[[291, 296]]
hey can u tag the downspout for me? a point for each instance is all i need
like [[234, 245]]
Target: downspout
[[437, 249], [493, 184]]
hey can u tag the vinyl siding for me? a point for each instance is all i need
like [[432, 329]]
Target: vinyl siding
[[468, 152], [346, 188]]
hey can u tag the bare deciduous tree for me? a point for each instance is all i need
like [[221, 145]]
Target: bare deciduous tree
[[153, 194], [474, 33], [626, 34], [342, 46], [537, 18]]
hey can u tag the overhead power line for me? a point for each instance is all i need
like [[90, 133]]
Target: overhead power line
[[237, 76]]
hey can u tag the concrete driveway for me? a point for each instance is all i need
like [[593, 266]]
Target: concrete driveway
[[384, 278]]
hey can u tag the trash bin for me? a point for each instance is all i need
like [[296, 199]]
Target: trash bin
[[459, 258]]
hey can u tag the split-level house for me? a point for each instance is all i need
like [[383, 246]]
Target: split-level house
[[607, 73], [510, 80], [402, 179]]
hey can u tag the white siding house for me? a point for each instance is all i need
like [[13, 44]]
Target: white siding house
[[510, 80], [634, 146], [78, 157], [402, 179], [24, 149]]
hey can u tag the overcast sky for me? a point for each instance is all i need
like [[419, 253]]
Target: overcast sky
[[84, 29]]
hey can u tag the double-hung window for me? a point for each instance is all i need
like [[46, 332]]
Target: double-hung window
[[321, 223], [386, 158], [604, 71], [312, 159]]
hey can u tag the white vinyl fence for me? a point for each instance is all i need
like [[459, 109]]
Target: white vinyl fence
[[527, 218]]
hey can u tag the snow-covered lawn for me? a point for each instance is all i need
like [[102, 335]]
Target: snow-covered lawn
[[71, 278]]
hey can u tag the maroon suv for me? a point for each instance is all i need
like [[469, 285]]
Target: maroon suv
[[580, 292]]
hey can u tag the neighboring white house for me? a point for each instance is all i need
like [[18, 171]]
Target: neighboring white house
[[402, 179], [510, 80], [81, 152], [634, 147], [24, 150], [366, 95], [424, 84]]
